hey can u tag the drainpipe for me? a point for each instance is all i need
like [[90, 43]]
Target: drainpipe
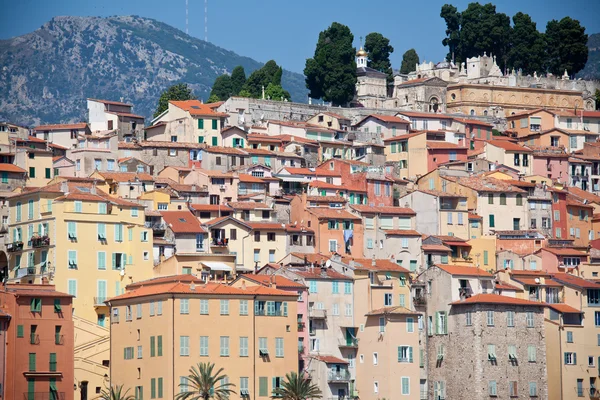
[[173, 343], [254, 348]]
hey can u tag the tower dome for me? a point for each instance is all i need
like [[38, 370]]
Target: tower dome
[[361, 58]]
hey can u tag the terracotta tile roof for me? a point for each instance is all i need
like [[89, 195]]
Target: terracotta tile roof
[[509, 146], [572, 201], [402, 137], [316, 274], [383, 210], [125, 114], [415, 81], [380, 265], [386, 118], [171, 145], [182, 222], [520, 183], [497, 299], [60, 127], [332, 213], [475, 216], [314, 258], [126, 176], [591, 114], [584, 194], [11, 168], [487, 184], [473, 122], [225, 150], [278, 280], [182, 285], [464, 271], [259, 137], [34, 292], [248, 205], [180, 187], [217, 220], [548, 151], [506, 286], [57, 146], [439, 193], [564, 251], [326, 199], [111, 102], [291, 139], [265, 152], [330, 359], [211, 207], [325, 185], [532, 281], [197, 108], [563, 308], [473, 153], [401, 232], [572, 280], [436, 248], [416, 114], [250, 179], [398, 310], [528, 272]]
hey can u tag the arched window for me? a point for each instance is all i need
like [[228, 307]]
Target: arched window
[[502, 199], [485, 112], [519, 200], [472, 112]]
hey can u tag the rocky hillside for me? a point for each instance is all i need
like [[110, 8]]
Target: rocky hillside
[[46, 75], [592, 67]]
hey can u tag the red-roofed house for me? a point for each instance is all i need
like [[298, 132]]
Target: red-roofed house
[[386, 126], [106, 115], [510, 154], [184, 230], [65, 135], [441, 152], [189, 121], [561, 259]]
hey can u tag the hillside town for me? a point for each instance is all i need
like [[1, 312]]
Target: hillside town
[[439, 241]]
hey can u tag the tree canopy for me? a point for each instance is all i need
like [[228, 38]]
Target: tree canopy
[[410, 59], [238, 79], [277, 93], [180, 91], [479, 28], [331, 72], [379, 49], [222, 88], [269, 73]]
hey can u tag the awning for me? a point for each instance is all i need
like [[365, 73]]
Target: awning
[[217, 266], [300, 179], [460, 244]]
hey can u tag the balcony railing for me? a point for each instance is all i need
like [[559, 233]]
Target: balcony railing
[[423, 395], [155, 226], [339, 376], [317, 313], [594, 393], [263, 312], [44, 396], [39, 241], [348, 343], [14, 246], [300, 326], [219, 242], [30, 270], [99, 301], [419, 300]]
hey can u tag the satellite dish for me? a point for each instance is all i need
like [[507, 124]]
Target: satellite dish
[[328, 263], [537, 280]]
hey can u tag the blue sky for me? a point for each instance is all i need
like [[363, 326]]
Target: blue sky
[[286, 30]]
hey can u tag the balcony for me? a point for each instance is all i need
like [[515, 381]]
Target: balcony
[[219, 242], [99, 301], [419, 300], [594, 393], [44, 396], [263, 312], [300, 326], [14, 246], [348, 343], [39, 241], [300, 349], [317, 314], [156, 227], [342, 375]]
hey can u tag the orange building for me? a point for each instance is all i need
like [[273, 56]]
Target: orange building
[[36, 332]]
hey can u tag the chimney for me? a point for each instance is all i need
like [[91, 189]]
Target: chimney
[[64, 187], [243, 285]]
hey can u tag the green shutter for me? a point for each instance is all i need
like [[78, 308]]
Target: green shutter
[[263, 386], [30, 389], [485, 257], [492, 221], [57, 307], [160, 388], [214, 141], [436, 322], [48, 173], [159, 345], [52, 362], [20, 331], [153, 388], [214, 124], [152, 346], [410, 354], [32, 172], [200, 123], [32, 361]]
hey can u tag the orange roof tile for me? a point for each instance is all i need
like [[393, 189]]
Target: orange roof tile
[[325, 185], [488, 298], [126, 176], [316, 274], [250, 179], [403, 137], [564, 308], [279, 281], [391, 310], [385, 118], [383, 210], [330, 359], [60, 127], [401, 232], [440, 144], [331, 213], [265, 225], [416, 114], [11, 168], [197, 108], [248, 205], [380, 265], [211, 207], [435, 247], [472, 122], [509, 146], [506, 286], [564, 251], [464, 271], [572, 280], [182, 222]]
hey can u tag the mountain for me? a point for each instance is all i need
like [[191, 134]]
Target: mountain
[[592, 67], [46, 75]]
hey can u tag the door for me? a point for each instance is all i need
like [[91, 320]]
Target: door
[[341, 394], [516, 223]]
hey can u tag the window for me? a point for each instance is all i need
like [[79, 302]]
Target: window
[[512, 352], [243, 346], [184, 306], [502, 199], [204, 346], [335, 287], [491, 352], [72, 261], [405, 380], [492, 221], [184, 346], [387, 299], [224, 341], [224, 307], [410, 325], [569, 337], [529, 319], [348, 311], [347, 287], [490, 198], [36, 305], [492, 388], [381, 324], [490, 318], [243, 307], [441, 323], [468, 318], [279, 347], [375, 359], [312, 286], [533, 389], [531, 353], [570, 358], [405, 354]]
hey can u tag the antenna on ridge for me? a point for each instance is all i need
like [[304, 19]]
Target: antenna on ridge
[[187, 21], [206, 20]]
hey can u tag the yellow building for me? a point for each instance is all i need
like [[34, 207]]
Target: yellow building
[[37, 163], [483, 252], [178, 321], [409, 151], [88, 244]]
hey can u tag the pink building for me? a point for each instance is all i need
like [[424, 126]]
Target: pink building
[[441, 152], [551, 162], [561, 259]]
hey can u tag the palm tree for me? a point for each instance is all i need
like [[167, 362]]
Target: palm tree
[[115, 393], [296, 388], [204, 384]]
